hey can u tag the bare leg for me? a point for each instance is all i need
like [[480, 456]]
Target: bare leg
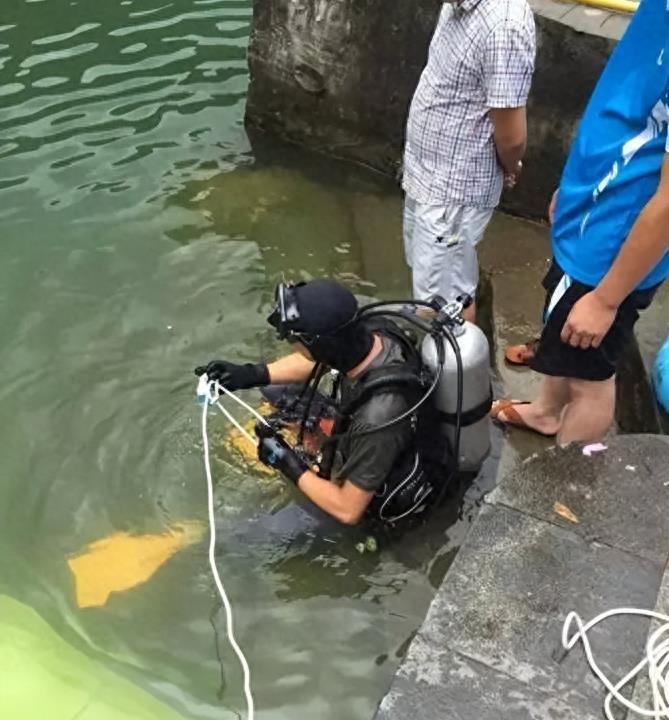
[[545, 413], [590, 412], [470, 313]]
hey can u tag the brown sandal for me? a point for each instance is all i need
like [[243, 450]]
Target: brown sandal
[[512, 417], [521, 355]]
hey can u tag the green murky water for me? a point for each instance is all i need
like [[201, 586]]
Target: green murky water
[[141, 235]]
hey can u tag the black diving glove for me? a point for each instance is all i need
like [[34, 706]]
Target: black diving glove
[[235, 377], [276, 453]]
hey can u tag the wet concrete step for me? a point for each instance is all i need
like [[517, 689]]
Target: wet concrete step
[[490, 645]]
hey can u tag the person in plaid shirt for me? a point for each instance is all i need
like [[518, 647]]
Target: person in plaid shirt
[[466, 136]]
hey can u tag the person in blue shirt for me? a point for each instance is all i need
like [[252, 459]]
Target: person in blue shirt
[[610, 238]]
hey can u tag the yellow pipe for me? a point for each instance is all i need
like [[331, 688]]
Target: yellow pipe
[[626, 6]]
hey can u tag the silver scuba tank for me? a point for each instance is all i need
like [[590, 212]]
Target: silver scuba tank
[[475, 430]]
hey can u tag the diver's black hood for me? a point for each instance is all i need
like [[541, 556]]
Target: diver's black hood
[[343, 350], [327, 321]]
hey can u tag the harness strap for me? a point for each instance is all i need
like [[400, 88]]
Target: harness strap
[[385, 379], [470, 417]]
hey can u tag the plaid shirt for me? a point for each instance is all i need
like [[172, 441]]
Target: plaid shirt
[[481, 57]]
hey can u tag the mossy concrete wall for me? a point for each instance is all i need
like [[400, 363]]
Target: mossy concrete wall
[[338, 76]]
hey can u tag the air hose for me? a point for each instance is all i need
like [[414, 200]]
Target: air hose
[[395, 421], [376, 309], [412, 410], [314, 381], [437, 331], [452, 340]]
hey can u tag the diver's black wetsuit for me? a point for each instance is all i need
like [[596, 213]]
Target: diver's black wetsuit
[[367, 460]]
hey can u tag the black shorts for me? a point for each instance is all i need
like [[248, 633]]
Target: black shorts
[[559, 359]]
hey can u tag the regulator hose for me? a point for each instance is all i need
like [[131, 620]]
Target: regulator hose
[[393, 303], [400, 418], [314, 381], [383, 308], [453, 342], [375, 309]]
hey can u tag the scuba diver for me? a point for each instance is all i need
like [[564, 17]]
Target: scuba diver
[[381, 451]]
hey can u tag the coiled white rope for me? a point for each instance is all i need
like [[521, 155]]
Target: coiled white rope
[[656, 660], [211, 397]]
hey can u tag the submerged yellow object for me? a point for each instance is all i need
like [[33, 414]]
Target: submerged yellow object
[[248, 451], [123, 561]]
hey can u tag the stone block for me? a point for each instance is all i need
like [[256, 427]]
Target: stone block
[[505, 598], [618, 496], [551, 9], [593, 21], [490, 645], [437, 684]]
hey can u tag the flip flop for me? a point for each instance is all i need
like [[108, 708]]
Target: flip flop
[[512, 417], [521, 355]]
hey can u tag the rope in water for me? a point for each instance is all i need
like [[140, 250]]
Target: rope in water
[[656, 660], [212, 397]]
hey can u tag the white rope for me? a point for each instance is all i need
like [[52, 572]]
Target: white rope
[[656, 660], [219, 388], [239, 427], [211, 397]]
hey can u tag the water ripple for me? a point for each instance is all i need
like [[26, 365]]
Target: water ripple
[[135, 244], [131, 49], [51, 39], [155, 62], [11, 88], [76, 93], [151, 11], [168, 22], [56, 55]]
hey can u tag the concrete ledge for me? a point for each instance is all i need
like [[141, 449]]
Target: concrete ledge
[[618, 496], [490, 645], [582, 18], [444, 684]]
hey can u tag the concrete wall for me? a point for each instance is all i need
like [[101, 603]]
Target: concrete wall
[[338, 76]]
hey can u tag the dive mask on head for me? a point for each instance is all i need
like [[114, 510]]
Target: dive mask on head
[[322, 315], [290, 323], [286, 311]]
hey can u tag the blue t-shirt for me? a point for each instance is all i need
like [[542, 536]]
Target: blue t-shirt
[[615, 162]]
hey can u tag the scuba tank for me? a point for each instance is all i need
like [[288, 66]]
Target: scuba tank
[[472, 421]]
